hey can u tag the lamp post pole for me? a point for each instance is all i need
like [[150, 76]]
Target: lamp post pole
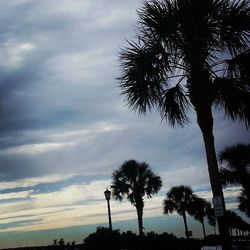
[[107, 194]]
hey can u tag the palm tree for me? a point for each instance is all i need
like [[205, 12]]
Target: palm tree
[[236, 171], [211, 218], [135, 180], [179, 199], [199, 209], [178, 63]]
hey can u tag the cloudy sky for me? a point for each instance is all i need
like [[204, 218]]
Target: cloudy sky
[[64, 127]]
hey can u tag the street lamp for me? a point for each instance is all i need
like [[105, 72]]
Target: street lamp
[[107, 194]]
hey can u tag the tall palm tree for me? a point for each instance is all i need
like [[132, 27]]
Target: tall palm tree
[[135, 180], [211, 218], [178, 62], [199, 209], [179, 199], [236, 171]]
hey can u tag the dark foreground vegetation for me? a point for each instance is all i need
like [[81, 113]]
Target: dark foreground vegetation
[[103, 238], [128, 240]]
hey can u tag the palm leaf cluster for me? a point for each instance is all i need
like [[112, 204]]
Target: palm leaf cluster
[[178, 199], [239, 67], [236, 223], [135, 180], [236, 171], [181, 55]]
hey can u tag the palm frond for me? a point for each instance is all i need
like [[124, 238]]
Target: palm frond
[[235, 156], [154, 184], [159, 20], [198, 208], [174, 106], [168, 206], [144, 70], [233, 99], [237, 162], [228, 177], [235, 25], [120, 185], [135, 180], [178, 199], [239, 67]]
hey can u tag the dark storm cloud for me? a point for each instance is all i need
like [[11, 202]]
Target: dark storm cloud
[[59, 70], [48, 47]]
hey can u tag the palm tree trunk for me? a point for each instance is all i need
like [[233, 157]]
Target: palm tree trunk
[[204, 230], [205, 121], [185, 224], [139, 210]]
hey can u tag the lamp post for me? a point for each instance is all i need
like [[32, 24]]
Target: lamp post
[[107, 194]]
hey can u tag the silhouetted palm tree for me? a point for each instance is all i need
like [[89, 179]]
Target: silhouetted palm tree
[[179, 199], [199, 209], [135, 180], [211, 218], [177, 64], [236, 170]]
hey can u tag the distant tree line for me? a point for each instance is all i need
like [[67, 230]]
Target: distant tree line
[[104, 239]]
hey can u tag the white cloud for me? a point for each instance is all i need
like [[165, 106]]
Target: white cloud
[[31, 182], [35, 149], [91, 131], [15, 54], [73, 205], [13, 195], [194, 176], [80, 204], [71, 195]]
